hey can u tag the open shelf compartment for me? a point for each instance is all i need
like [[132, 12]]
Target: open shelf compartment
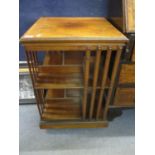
[[62, 104], [60, 70], [65, 70]]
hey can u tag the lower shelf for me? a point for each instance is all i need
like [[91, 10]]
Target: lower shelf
[[75, 124], [62, 109]]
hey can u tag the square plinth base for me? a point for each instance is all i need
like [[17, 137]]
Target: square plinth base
[[71, 124]]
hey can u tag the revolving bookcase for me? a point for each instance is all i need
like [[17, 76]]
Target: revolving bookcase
[[73, 64]]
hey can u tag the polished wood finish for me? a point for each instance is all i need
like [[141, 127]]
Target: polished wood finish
[[86, 83], [112, 83], [127, 74], [48, 29], [60, 69], [129, 15], [125, 97], [55, 93], [95, 78], [84, 124], [62, 109], [74, 76], [104, 79]]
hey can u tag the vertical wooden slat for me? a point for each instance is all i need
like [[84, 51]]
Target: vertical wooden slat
[[36, 63], [32, 65], [113, 77], [34, 71], [40, 98], [95, 77], [39, 93], [86, 82], [103, 83], [31, 74]]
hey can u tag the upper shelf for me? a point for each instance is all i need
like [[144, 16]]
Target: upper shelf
[[49, 29]]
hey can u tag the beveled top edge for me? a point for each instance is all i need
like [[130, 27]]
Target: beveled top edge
[[26, 39]]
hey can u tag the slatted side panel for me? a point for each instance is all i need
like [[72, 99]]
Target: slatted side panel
[[112, 81], [97, 73], [33, 68], [58, 72], [103, 83]]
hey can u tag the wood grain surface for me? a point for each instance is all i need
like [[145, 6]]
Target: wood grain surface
[[124, 97], [49, 29], [129, 15], [127, 74]]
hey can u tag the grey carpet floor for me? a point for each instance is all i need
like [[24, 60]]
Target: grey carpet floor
[[117, 139]]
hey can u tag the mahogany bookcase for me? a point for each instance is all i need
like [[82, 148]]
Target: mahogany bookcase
[[73, 64]]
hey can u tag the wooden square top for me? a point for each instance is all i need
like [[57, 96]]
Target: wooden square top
[[48, 29]]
